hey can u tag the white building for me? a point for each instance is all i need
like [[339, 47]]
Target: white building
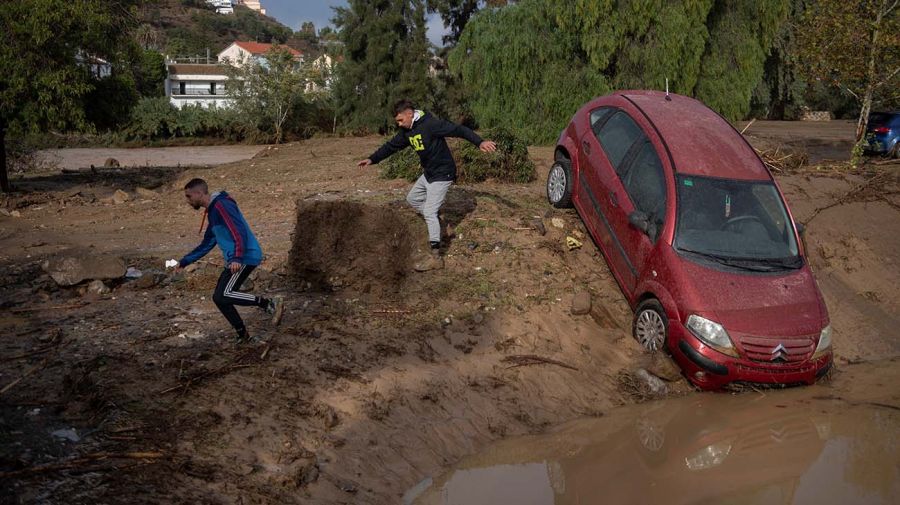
[[197, 84], [240, 53], [323, 72], [253, 4], [222, 6]]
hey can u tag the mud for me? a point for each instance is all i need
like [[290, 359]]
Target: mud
[[824, 444], [365, 248], [357, 396]]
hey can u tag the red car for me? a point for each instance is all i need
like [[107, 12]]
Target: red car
[[697, 234]]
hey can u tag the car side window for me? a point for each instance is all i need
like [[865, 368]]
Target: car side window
[[617, 136], [598, 118], [645, 182]]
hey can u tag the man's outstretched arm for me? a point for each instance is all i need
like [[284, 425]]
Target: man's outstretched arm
[[209, 241], [398, 143], [447, 129]]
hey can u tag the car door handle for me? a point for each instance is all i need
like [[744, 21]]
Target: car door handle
[[613, 199], [586, 147]]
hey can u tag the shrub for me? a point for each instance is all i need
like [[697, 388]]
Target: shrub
[[510, 163], [152, 118]]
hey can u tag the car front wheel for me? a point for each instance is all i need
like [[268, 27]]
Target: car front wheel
[[651, 326], [559, 184]]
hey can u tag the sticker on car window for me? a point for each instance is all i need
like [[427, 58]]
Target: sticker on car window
[[727, 206], [688, 182]]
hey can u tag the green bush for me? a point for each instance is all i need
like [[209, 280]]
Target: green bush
[[510, 163], [155, 118], [151, 118]]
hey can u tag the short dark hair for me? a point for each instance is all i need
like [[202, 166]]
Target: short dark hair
[[403, 104], [197, 183]]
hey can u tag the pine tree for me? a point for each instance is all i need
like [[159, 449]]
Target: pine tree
[[385, 58]]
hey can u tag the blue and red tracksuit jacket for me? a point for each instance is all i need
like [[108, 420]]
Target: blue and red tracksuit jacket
[[228, 228]]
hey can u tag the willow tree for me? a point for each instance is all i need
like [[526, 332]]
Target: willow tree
[[385, 58], [521, 72], [712, 49]]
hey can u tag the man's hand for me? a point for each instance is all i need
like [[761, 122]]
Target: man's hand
[[487, 146], [364, 163], [234, 266]]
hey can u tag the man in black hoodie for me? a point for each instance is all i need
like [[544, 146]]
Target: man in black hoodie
[[426, 134]]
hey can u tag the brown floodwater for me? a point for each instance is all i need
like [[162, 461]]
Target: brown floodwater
[[836, 443]]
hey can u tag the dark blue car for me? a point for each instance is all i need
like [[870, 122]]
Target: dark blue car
[[883, 133]]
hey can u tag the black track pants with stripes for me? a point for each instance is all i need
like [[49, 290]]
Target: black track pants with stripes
[[228, 294]]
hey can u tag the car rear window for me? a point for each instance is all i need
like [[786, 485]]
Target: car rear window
[[879, 118], [617, 136]]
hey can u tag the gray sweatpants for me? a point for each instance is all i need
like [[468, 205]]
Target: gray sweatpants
[[427, 198]]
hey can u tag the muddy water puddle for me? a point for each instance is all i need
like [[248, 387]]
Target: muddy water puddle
[[837, 443]]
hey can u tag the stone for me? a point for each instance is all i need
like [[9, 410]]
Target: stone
[[70, 434], [538, 225], [120, 197], [69, 270], [98, 288], [654, 383], [478, 318], [558, 222], [15, 213], [581, 304], [148, 281], [133, 273], [111, 163], [4, 212], [145, 193]]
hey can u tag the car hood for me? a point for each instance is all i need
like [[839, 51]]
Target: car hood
[[766, 304]]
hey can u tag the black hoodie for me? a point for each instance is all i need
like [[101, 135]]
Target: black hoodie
[[427, 137]]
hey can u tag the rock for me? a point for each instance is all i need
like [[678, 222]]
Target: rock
[[69, 434], [133, 273], [111, 163], [120, 197], [149, 194], [98, 288], [15, 213], [558, 222], [148, 281], [4, 212], [478, 318], [68, 270], [656, 385], [538, 225], [581, 304]]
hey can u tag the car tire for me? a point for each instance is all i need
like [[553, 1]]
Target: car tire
[[651, 326], [559, 184]]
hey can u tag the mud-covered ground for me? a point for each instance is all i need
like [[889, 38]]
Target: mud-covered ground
[[378, 376]]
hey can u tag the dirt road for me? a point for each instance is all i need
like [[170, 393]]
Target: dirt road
[[374, 381], [75, 158]]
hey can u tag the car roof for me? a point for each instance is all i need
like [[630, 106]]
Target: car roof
[[700, 141]]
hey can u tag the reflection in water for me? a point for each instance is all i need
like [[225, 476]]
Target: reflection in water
[[783, 447]]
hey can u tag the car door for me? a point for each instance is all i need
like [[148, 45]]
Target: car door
[[609, 145], [644, 183]]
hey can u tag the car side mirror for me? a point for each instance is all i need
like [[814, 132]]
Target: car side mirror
[[801, 229], [640, 220]]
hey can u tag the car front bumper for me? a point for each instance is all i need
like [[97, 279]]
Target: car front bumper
[[708, 368]]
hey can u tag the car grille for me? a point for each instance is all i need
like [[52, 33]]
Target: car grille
[[778, 350]]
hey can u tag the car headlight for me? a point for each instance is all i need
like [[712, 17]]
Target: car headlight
[[824, 342], [708, 457], [711, 333]]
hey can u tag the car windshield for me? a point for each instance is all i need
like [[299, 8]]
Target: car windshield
[[739, 223]]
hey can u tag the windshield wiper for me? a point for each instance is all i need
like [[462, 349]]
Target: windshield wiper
[[751, 265]]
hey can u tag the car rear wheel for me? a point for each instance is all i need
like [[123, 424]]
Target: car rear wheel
[[651, 326], [559, 184]]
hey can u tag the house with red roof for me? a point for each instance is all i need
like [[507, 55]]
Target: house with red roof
[[240, 52]]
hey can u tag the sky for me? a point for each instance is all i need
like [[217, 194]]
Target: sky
[[293, 12]]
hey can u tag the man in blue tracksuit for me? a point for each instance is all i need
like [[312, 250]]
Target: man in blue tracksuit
[[228, 228]]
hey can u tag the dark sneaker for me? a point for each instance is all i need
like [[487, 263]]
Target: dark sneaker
[[276, 308], [242, 337]]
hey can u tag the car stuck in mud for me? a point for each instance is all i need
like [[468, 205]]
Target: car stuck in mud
[[698, 236]]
